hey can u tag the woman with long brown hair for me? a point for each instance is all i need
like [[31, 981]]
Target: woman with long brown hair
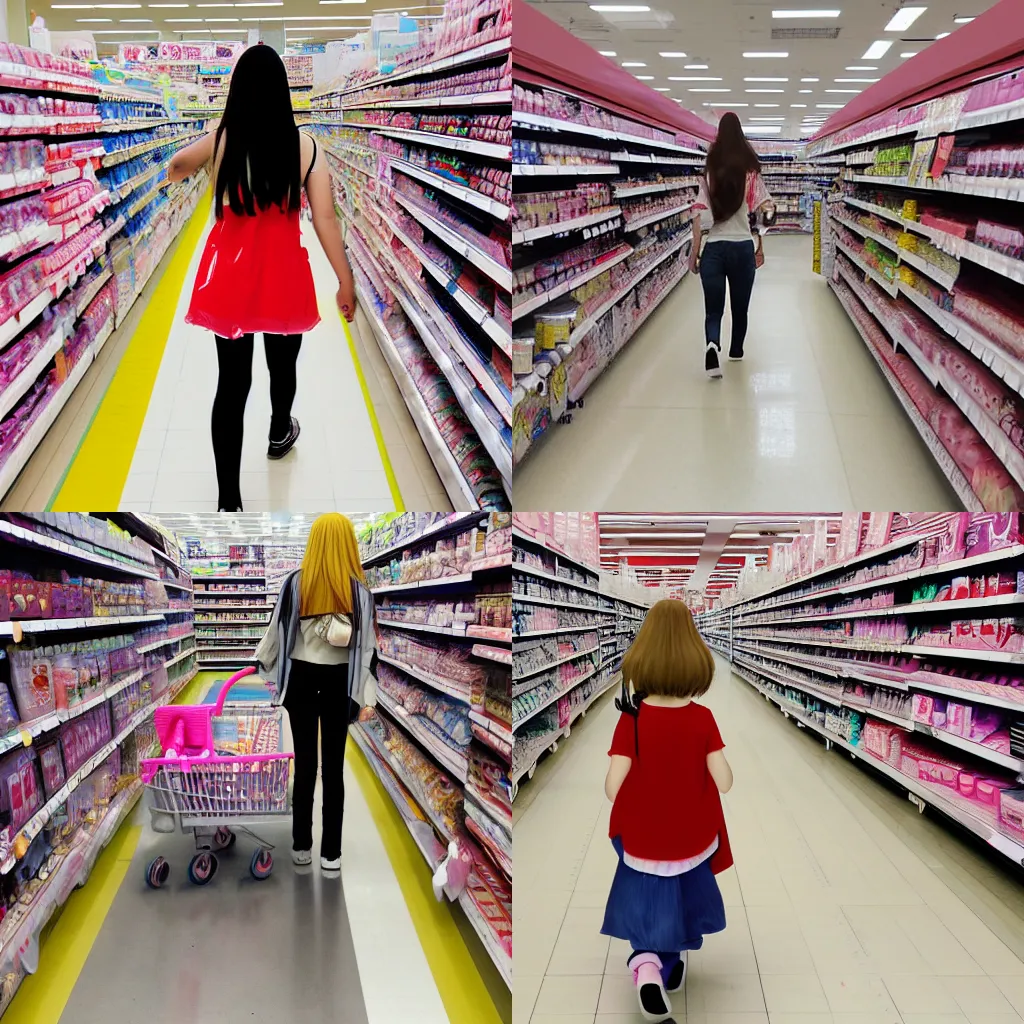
[[731, 194]]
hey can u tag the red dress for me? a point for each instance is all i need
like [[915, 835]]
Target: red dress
[[254, 277], [669, 808]]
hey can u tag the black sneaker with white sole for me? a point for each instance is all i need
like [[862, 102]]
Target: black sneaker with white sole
[[735, 355], [279, 449], [712, 364], [654, 1004], [677, 976]]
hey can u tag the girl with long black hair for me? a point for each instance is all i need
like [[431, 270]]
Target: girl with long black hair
[[732, 193], [254, 275]]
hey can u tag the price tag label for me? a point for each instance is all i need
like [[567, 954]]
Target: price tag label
[[26, 738]]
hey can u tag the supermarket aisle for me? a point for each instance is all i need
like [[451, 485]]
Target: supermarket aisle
[[300, 946], [806, 420], [845, 906]]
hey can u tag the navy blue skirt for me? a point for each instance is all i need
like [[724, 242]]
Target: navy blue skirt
[[656, 913]]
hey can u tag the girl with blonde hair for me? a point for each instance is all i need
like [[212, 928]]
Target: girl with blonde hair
[[317, 655]]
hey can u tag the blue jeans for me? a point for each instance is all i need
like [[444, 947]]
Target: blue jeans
[[732, 262]]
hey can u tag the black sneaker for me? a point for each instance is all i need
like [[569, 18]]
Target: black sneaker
[[712, 366], [279, 449], [236, 509], [735, 355]]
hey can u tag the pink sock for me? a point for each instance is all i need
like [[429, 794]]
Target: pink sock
[[646, 969]]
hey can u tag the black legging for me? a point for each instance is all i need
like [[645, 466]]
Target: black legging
[[234, 359]]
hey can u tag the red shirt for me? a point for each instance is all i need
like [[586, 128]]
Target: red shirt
[[669, 807]]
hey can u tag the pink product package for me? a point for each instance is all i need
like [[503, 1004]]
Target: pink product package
[[52, 766], [20, 793], [1011, 809], [81, 737], [997, 316], [32, 680], [990, 531]]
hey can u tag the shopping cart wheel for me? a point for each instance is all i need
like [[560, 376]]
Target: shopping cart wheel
[[202, 868], [224, 838], [157, 872], [262, 864]]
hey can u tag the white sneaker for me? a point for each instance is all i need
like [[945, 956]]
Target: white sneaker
[[302, 857], [330, 865]]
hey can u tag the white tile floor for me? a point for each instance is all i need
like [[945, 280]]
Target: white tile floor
[[336, 464], [805, 421], [845, 906]]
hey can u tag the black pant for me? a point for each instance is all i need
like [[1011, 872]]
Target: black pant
[[732, 262], [317, 701], [234, 359]]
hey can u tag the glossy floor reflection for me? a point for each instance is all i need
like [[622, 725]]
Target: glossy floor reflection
[[806, 420], [845, 905]]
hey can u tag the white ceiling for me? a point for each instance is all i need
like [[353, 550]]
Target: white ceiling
[[696, 551], [138, 20], [718, 32], [287, 526]]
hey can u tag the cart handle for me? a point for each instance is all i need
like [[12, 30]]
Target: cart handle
[[241, 673]]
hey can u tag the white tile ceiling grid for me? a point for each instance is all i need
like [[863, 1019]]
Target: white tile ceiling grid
[[242, 525], [693, 550], [706, 40]]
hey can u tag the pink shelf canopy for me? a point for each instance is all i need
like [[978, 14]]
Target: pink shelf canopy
[[544, 53], [991, 44]]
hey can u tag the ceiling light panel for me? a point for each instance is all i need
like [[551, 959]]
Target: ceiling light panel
[[904, 18], [831, 12], [878, 49], [671, 53], [758, 54], [765, 79]]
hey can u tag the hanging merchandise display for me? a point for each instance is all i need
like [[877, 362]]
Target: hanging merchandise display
[[97, 616], [419, 145], [898, 645], [601, 228], [88, 215], [440, 737], [572, 625], [927, 252]]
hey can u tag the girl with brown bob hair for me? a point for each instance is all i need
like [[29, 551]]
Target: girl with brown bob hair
[[667, 826]]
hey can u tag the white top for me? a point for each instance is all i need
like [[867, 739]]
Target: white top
[[737, 227], [309, 647]]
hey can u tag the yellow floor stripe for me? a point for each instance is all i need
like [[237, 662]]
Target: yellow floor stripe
[[389, 472], [43, 996], [97, 474], [462, 990]]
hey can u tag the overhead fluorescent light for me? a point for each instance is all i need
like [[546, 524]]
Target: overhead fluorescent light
[[911, 54], [619, 8], [724, 103], [904, 18], [607, 53], [644, 78], [878, 49], [964, 19], [765, 105], [94, 21], [810, 79], [942, 35], [854, 92], [765, 90], [805, 90], [179, 6], [710, 90], [662, 88], [799, 105], [633, 64], [767, 117], [866, 80], [765, 79], [861, 67], [692, 78], [695, 67], [136, 21], [830, 106], [818, 13], [765, 53], [671, 53]]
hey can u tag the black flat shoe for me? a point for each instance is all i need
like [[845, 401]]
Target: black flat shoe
[[279, 449]]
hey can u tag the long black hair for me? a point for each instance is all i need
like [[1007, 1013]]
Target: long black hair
[[730, 159], [260, 162]]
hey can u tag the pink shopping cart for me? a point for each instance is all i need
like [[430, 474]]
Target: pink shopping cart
[[215, 796]]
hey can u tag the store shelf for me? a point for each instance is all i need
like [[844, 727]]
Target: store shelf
[[501, 276], [11, 628], [560, 629], [164, 643], [565, 226], [428, 742], [455, 142], [544, 298], [554, 664], [453, 524], [526, 120], [456, 486], [444, 686], [462, 192], [945, 461], [469, 99], [552, 170], [629, 191], [635, 225], [525, 599], [553, 698], [532, 570], [15, 390], [931, 795], [889, 287]]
